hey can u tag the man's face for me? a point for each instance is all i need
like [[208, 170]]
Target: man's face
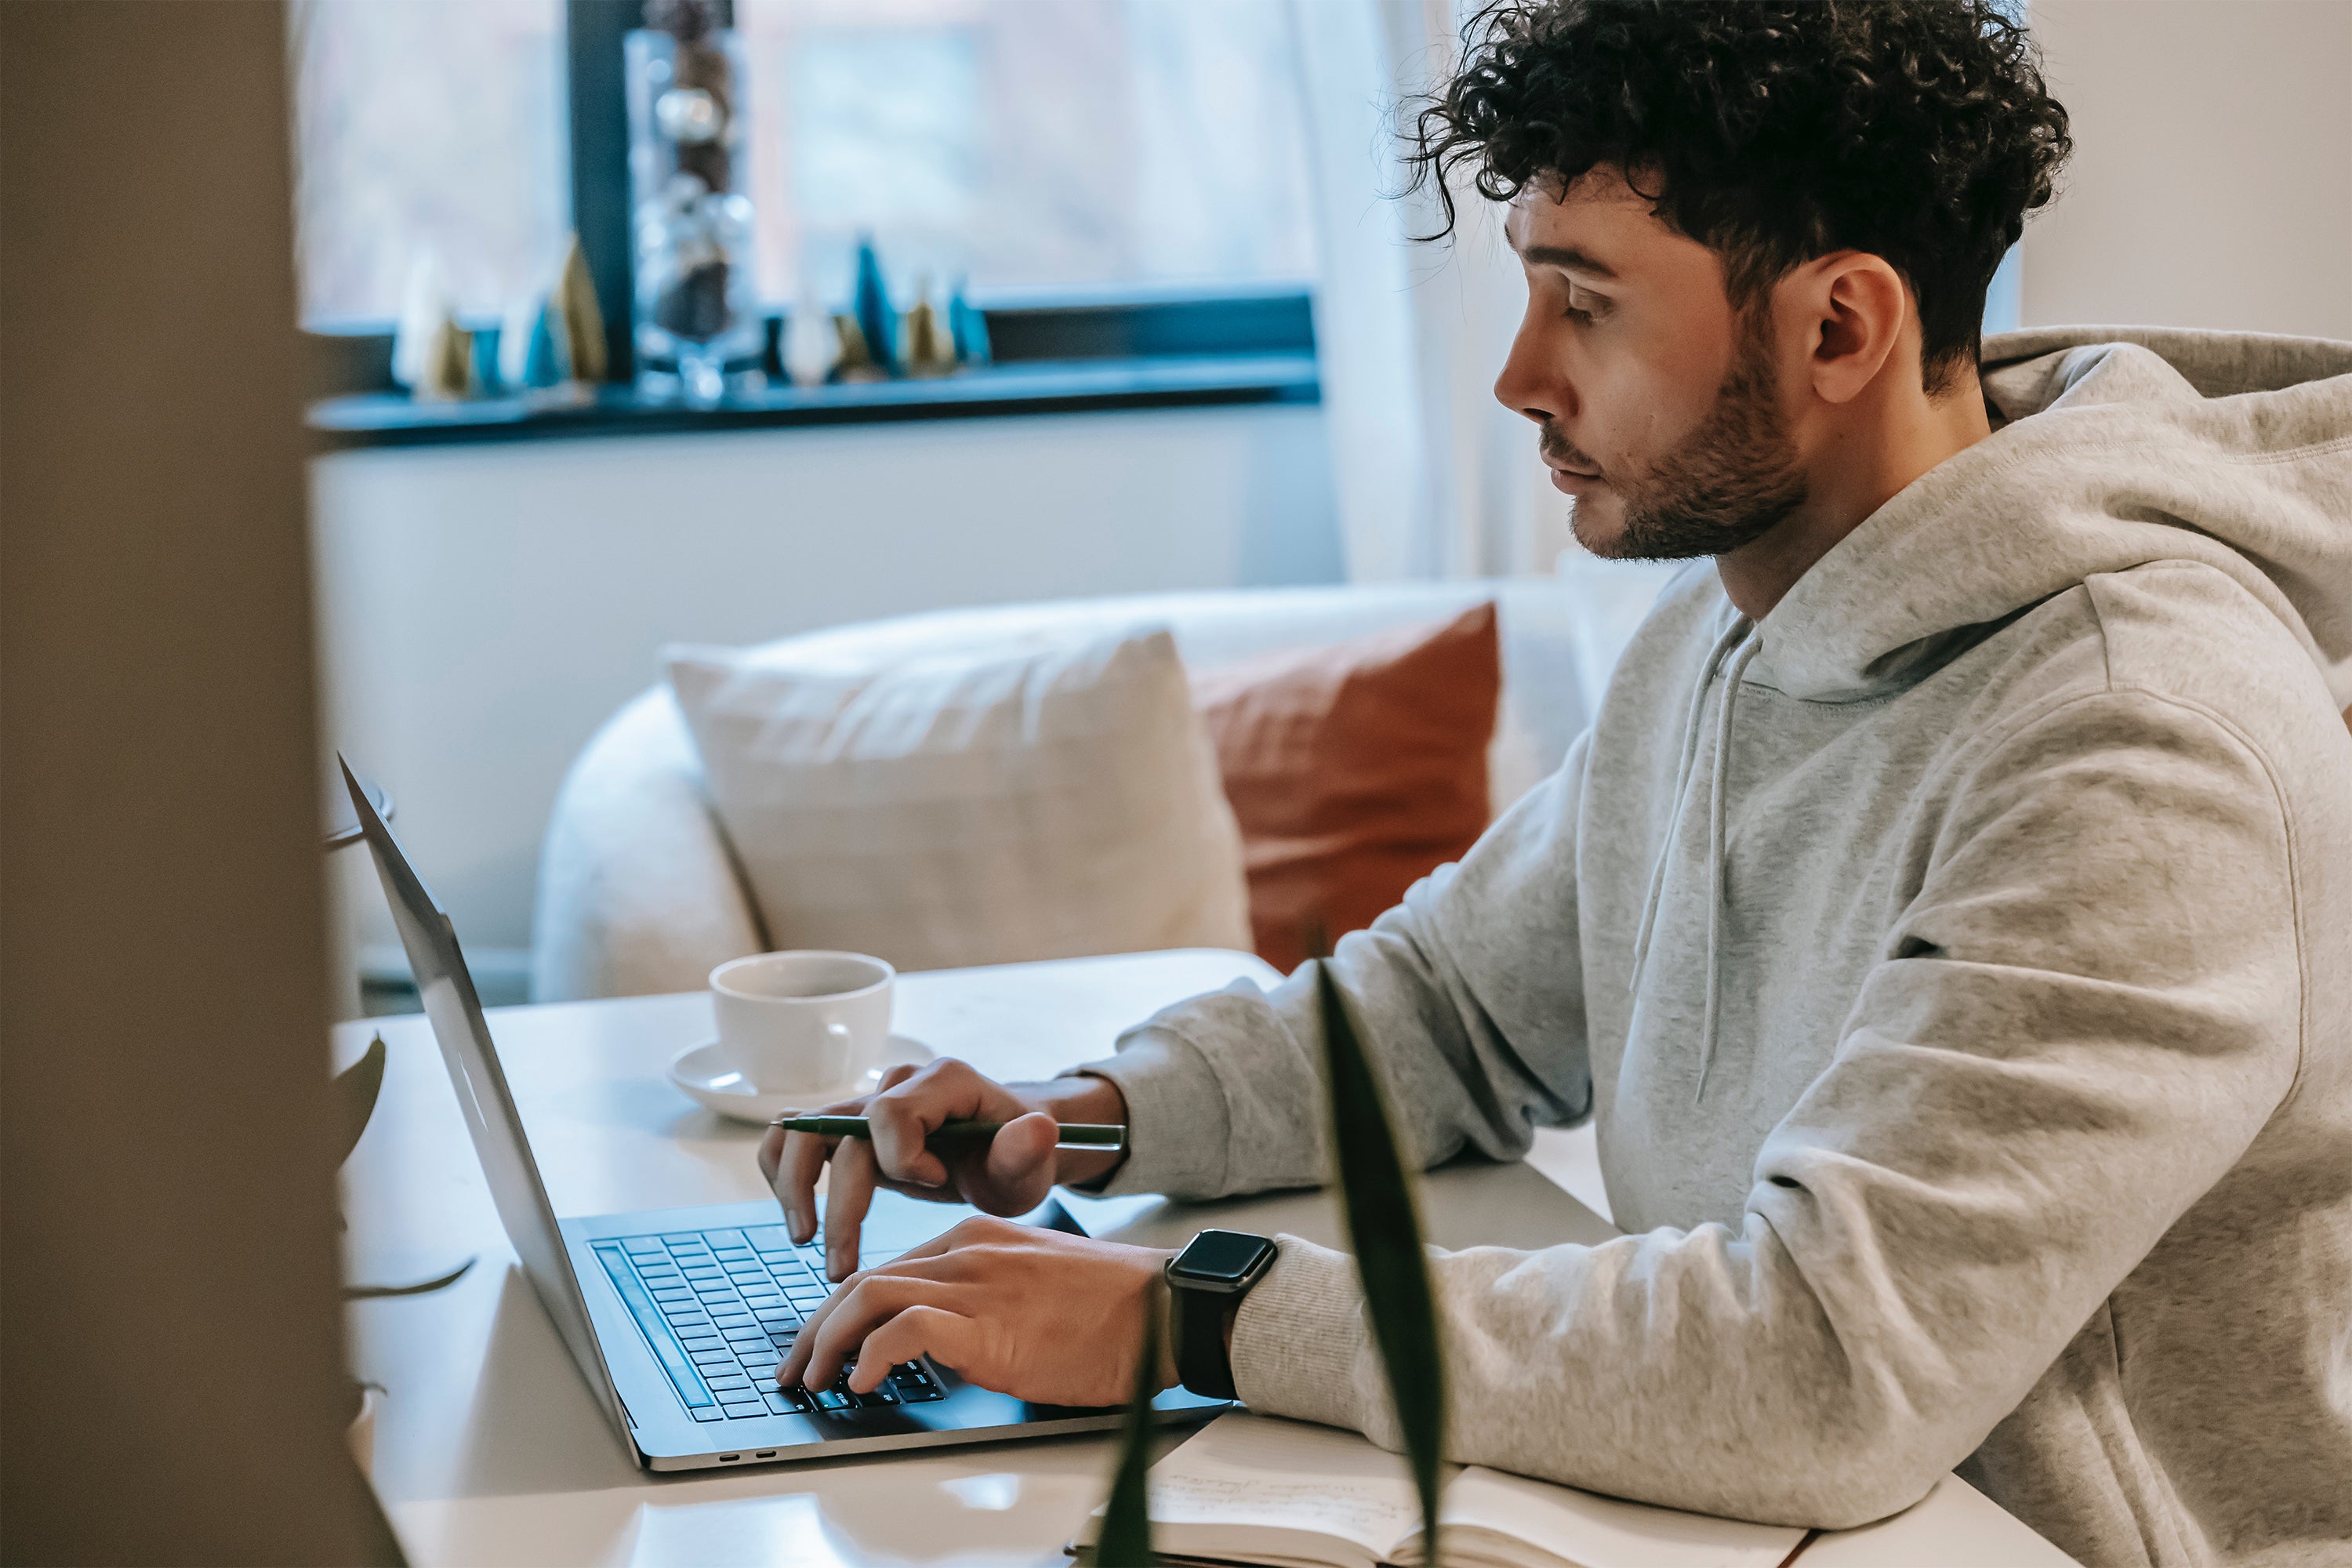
[[1657, 400]]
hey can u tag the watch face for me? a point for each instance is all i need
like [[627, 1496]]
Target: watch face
[[1222, 1255]]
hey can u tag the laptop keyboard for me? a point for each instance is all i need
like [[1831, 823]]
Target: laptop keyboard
[[721, 1307]]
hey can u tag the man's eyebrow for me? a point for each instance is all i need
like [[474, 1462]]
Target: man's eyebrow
[[1569, 256]]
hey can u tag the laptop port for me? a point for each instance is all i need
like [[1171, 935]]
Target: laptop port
[[728, 1459], [765, 1454]]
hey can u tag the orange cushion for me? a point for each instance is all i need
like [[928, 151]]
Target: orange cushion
[[1354, 770]]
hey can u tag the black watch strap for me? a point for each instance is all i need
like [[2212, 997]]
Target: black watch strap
[[1202, 1365], [1208, 1278]]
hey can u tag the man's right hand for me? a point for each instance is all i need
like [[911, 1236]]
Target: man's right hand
[[1008, 1174]]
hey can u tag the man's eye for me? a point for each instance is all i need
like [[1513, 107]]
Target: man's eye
[[1584, 309]]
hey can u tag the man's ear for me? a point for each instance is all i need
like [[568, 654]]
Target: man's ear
[[1856, 313]]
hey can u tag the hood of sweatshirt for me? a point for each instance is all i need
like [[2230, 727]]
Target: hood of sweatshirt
[[2115, 447]]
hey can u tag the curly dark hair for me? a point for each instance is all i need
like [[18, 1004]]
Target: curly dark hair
[[1772, 131]]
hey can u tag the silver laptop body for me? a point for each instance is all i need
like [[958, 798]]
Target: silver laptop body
[[671, 1314]]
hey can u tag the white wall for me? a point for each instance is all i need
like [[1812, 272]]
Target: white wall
[[484, 608], [2211, 185]]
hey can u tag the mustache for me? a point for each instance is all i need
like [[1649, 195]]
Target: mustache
[[1559, 452]]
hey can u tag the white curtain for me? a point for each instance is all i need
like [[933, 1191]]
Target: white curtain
[[1435, 479]]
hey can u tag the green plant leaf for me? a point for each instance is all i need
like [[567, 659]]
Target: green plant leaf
[[422, 1287], [1376, 1193], [356, 1088], [1125, 1541]]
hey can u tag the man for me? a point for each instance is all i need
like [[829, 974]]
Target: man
[[1947, 918]]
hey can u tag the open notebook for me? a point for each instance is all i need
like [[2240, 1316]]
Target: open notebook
[[1258, 1489]]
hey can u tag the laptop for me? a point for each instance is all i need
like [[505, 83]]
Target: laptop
[[678, 1318]]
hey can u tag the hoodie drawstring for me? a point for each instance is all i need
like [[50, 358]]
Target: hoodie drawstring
[[1735, 637], [1723, 644], [1719, 849]]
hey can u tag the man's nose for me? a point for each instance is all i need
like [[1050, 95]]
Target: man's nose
[[1532, 382]]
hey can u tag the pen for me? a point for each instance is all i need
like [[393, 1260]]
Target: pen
[[1072, 1134]]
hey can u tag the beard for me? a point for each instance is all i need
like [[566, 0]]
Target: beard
[[1730, 481]]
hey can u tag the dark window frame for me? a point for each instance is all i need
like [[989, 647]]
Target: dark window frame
[[1056, 352]]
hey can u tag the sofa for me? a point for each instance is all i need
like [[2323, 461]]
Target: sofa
[[638, 889]]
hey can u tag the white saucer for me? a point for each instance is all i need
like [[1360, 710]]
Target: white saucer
[[703, 1073]]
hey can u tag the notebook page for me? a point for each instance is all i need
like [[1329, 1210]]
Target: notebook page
[[1608, 1532], [1264, 1471]]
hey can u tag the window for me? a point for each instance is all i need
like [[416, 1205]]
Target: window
[[1122, 185], [1026, 143], [1018, 142], [427, 126]]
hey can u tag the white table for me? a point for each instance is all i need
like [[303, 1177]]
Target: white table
[[488, 1450]]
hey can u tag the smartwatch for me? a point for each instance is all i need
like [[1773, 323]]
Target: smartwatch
[[1216, 1269]]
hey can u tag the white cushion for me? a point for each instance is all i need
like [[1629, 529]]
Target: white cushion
[[1026, 798]]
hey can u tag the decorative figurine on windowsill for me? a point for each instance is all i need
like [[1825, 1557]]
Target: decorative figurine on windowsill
[[870, 309], [552, 349], [811, 346], [855, 360], [432, 355], [967, 330], [924, 338]]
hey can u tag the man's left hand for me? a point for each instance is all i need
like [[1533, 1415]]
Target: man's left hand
[[1038, 1314]]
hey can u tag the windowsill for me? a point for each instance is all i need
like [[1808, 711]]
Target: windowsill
[[1065, 387]]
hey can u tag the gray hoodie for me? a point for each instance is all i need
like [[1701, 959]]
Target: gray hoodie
[[1958, 966]]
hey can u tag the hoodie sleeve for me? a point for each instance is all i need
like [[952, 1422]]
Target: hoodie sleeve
[[2084, 1017], [1480, 1039]]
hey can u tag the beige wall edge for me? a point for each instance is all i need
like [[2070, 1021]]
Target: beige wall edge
[[171, 1366], [2211, 185]]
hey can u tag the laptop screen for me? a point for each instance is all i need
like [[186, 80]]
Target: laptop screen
[[455, 1013]]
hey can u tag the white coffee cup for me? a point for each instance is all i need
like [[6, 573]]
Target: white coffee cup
[[793, 1023]]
